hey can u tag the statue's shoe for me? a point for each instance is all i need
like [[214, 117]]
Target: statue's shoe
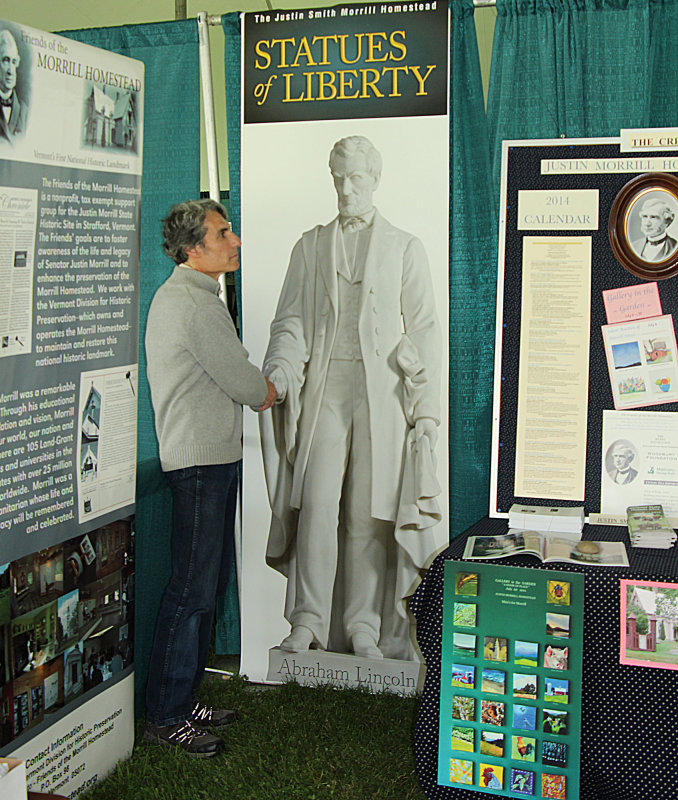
[[298, 641], [365, 646]]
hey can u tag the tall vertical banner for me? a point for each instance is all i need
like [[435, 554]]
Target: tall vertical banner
[[71, 124], [345, 154]]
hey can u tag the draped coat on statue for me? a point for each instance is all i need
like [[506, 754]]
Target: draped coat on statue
[[400, 342]]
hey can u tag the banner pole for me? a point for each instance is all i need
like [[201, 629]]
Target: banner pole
[[208, 107]]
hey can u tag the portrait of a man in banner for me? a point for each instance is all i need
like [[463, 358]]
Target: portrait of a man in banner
[[355, 354], [13, 103]]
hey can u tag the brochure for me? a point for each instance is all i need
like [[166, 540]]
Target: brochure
[[547, 548], [641, 359], [562, 520], [648, 527]]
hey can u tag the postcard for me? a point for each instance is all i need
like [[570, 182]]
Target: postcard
[[526, 654], [556, 690], [523, 748], [556, 657], [639, 461], [642, 361], [492, 743], [558, 593], [554, 754], [525, 686], [493, 681], [463, 707], [632, 302], [463, 738], [525, 717], [495, 648], [647, 624], [558, 625], [463, 676], [467, 583], [461, 771], [553, 786], [491, 776], [492, 712], [555, 721], [465, 615], [464, 644], [522, 781]]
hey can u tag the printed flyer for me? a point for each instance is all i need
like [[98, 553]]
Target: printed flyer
[[511, 677], [639, 461], [345, 230]]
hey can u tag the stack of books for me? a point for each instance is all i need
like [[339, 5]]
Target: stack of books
[[648, 527], [565, 522]]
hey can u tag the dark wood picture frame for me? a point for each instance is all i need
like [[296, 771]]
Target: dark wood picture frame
[[654, 188]]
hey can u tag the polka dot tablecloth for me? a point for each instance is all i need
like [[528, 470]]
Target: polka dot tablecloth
[[629, 747]]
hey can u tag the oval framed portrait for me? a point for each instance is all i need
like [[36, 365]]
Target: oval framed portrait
[[643, 226]]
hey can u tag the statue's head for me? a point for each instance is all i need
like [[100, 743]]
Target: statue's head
[[355, 164]]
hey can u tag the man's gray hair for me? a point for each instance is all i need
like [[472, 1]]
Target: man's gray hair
[[6, 38], [350, 145], [184, 226], [668, 212]]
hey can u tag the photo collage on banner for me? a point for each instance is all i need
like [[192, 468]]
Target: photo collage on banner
[[70, 188], [345, 225], [511, 680]]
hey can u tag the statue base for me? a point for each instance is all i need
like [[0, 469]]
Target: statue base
[[317, 667]]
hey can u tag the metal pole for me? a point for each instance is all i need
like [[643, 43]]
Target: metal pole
[[208, 107]]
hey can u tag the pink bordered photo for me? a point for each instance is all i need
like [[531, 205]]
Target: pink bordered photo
[[648, 624]]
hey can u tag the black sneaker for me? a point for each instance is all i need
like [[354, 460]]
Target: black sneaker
[[207, 717], [184, 736]]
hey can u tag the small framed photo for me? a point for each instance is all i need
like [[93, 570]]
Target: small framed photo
[[643, 226]]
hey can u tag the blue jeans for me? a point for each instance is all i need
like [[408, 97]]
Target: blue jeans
[[202, 555]]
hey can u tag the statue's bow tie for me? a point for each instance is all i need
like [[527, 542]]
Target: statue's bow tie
[[6, 102], [353, 223]]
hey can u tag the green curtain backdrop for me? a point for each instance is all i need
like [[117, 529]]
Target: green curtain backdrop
[[171, 173], [472, 258], [473, 270], [581, 68]]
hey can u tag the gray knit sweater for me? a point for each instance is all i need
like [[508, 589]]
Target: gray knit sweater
[[199, 373]]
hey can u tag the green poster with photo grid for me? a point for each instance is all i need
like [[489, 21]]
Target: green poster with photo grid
[[511, 680]]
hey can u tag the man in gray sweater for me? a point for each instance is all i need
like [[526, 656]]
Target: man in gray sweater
[[200, 377]]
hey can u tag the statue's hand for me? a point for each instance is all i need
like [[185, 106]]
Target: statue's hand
[[428, 428]]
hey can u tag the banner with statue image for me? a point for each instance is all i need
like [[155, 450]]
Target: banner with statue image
[[345, 228]]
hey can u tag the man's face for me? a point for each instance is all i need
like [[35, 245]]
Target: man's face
[[353, 183], [218, 252], [652, 220], [9, 63], [621, 459]]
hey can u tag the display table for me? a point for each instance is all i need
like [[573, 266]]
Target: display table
[[629, 722]]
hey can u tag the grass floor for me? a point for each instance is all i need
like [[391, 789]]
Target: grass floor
[[291, 742]]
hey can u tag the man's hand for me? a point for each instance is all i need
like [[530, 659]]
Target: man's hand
[[428, 428], [270, 397]]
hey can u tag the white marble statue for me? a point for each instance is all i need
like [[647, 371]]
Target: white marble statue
[[355, 354]]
